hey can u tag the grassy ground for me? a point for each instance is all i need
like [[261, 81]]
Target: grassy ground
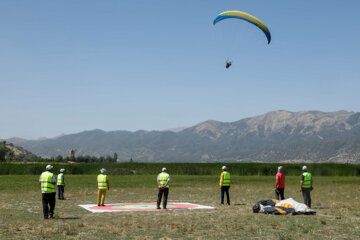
[[336, 199]]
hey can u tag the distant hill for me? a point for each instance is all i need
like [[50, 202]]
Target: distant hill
[[278, 136], [12, 152]]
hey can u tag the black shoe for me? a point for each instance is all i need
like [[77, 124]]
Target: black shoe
[[103, 205], [98, 205], [158, 207], [51, 216]]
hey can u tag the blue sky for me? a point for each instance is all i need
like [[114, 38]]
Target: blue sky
[[68, 66]]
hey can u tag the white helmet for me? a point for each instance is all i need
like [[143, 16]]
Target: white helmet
[[49, 167], [280, 168], [223, 167], [102, 170], [304, 168], [164, 170], [62, 170]]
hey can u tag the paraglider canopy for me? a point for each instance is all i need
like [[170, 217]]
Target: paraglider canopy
[[244, 16]]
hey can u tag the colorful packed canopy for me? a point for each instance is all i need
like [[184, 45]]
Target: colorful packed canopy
[[283, 207]]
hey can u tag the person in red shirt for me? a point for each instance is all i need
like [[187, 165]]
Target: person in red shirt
[[280, 184]]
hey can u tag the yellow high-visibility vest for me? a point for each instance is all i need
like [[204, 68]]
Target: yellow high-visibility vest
[[163, 178], [101, 179], [307, 180], [46, 182], [60, 180], [226, 181]]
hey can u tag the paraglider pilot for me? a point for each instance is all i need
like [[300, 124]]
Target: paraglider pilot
[[228, 64]]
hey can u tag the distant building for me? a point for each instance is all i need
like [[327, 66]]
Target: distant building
[[72, 153]]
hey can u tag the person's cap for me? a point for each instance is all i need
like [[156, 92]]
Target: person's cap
[[304, 168], [49, 167], [164, 170], [280, 168], [223, 167], [102, 170], [62, 170]]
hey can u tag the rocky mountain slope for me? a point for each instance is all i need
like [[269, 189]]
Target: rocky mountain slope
[[278, 136]]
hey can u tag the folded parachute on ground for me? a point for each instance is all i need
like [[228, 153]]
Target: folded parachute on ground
[[283, 207]]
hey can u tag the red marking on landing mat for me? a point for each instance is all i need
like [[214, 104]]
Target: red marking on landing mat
[[121, 207]]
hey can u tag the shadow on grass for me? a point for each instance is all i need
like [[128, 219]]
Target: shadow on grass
[[66, 218]]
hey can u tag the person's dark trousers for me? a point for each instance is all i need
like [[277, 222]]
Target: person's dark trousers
[[48, 199], [279, 192], [164, 191], [306, 196], [61, 192], [226, 190]]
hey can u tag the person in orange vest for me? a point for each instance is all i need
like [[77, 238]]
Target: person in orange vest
[[47, 181], [102, 185], [225, 182]]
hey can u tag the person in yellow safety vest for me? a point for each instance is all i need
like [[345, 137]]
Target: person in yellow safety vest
[[102, 185], [61, 184], [47, 181], [306, 186], [225, 182], [163, 180]]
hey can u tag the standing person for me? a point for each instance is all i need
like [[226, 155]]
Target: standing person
[[102, 185], [47, 182], [163, 180], [306, 183], [225, 182], [61, 184], [280, 184]]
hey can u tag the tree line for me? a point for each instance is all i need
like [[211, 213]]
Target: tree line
[[138, 168]]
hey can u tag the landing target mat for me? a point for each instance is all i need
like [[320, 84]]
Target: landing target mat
[[126, 207]]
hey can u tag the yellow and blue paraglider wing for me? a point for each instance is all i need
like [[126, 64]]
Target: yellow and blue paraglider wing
[[244, 16]]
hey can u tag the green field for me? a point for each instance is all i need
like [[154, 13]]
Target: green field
[[334, 198]]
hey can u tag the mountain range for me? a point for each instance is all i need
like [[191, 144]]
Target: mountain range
[[278, 136]]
